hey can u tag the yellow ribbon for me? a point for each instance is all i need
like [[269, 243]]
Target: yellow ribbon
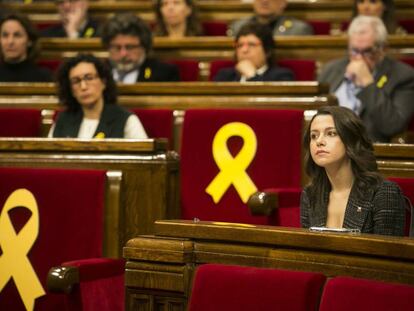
[[14, 262], [147, 73], [382, 81], [233, 170], [89, 32], [100, 135]]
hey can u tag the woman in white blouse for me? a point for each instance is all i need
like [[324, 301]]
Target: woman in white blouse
[[87, 90]]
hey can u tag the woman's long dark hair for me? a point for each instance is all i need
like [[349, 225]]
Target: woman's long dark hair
[[359, 150], [64, 87], [193, 26]]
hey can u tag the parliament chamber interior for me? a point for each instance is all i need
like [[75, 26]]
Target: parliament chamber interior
[[205, 213]]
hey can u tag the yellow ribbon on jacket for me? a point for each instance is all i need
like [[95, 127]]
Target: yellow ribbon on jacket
[[14, 262], [233, 170]]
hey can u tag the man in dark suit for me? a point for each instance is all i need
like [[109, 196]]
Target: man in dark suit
[[129, 41], [75, 22], [379, 89], [254, 56]]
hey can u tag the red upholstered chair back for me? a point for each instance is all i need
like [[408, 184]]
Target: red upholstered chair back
[[408, 60], [70, 207], [407, 24], [320, 27], [346, 293], [276, 162], [158, 123], [188, 69], [214, 28], [51, 64], [407, 187], [20, 122], [303, 69], [222, 288]]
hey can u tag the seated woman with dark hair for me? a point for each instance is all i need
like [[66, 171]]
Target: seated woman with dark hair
[[176, 18], [254, 56], [18, 50], [87, 89], [346, 190]]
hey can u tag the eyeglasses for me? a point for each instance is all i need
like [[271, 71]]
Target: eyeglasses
[[88, 78], [250, 45], [128, 47], [368, 52]]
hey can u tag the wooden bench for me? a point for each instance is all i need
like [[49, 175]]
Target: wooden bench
[[322, 10], [207, 49], [160, 268], [140, 165]]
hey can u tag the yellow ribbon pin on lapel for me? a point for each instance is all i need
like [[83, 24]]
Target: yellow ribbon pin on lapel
[[381, 82], [14, 262], [233, 170]]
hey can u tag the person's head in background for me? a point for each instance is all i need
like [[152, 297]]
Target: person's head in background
[[73, 15], [128, 40], [337, 138], [367, 39], [383, 9], [254, 44], [267, 10], [18, 39], [85, 82], [177, 18]]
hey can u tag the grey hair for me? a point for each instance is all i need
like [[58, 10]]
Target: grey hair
[[360, 23]]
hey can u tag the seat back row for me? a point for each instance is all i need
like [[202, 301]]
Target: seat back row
[[227, 287]]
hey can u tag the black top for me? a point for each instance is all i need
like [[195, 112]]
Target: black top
[[111, 123], [271, 74], [25, 71], [57, 31]]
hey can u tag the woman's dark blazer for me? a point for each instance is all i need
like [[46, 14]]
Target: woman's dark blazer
[[378, 211], [272, 74]]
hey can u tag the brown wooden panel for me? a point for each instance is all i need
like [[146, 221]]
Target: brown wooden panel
[[149, 176]]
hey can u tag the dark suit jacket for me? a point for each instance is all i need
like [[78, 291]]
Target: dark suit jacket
[[272, 74], [387, 108], [153, 70], [57, 31], [379, 211]]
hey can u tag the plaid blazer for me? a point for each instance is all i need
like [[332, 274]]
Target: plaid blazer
[[378, 211]]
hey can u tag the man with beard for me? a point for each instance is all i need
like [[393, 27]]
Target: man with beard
[[129, 41]]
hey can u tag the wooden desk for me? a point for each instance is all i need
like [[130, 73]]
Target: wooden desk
[[395, 160], [149, 177], [159, 268], [205, 49], [326, 10]]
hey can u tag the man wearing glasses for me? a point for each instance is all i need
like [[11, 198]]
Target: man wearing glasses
[[75, 22], [377, 88], [129, 41]]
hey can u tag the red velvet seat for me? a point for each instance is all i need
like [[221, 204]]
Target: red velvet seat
[[51, 64], [408, 60], [158, 123], [345, 293], [188, 69], [407, 24], [222, 288], [69, 219], [276, 163], [303, 69], [214, 28], [320, 27], [20, 122]]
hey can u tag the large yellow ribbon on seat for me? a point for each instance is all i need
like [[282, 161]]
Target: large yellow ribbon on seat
[[233, 170], [14, 262]]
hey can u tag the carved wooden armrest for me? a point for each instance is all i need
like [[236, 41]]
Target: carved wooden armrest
[[62, 279], [263, 203]]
